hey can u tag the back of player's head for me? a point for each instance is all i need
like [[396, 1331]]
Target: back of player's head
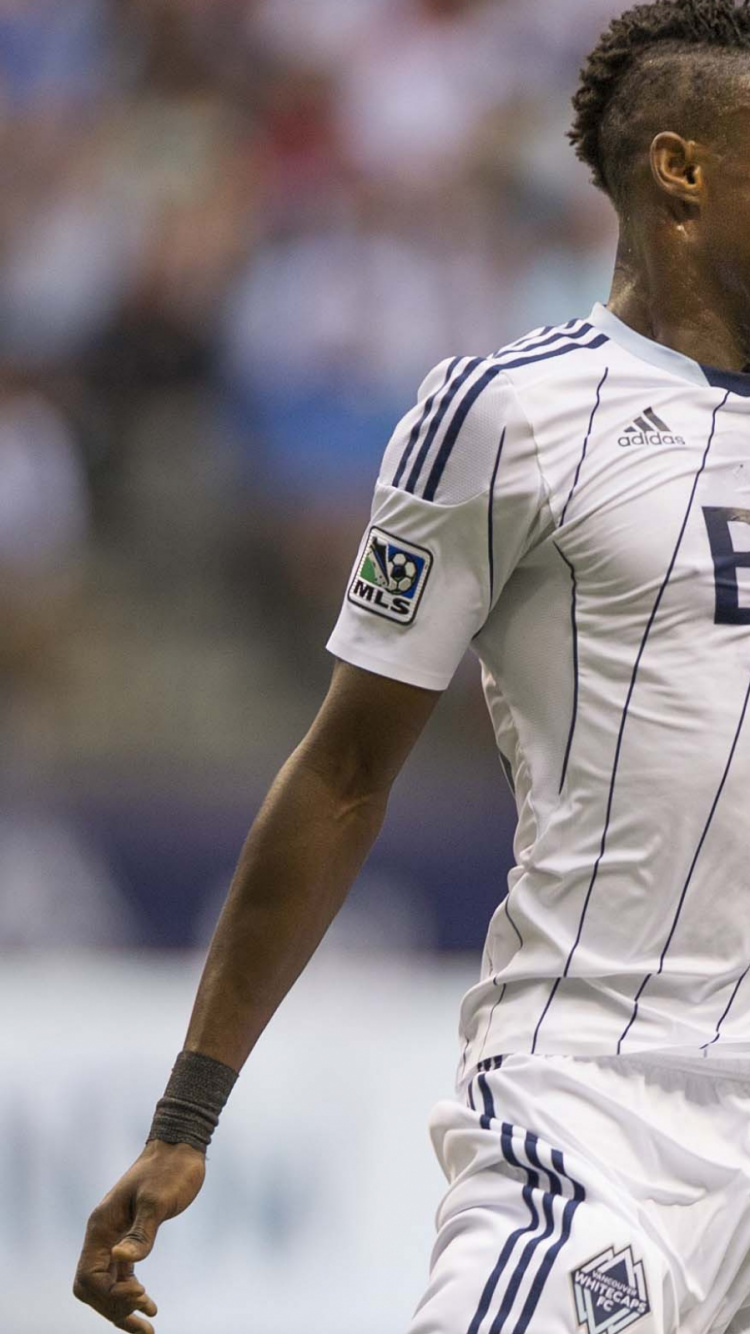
[[669, 65]]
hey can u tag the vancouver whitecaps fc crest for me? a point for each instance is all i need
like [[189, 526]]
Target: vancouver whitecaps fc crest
[[390, 577], [610, 1292]]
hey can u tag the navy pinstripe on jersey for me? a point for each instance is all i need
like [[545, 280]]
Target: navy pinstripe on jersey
[[491, 516], [727, 1008], [586, 439], [690, 874], [574, 625]]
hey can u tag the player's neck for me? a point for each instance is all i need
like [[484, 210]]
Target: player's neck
[[680, 310]]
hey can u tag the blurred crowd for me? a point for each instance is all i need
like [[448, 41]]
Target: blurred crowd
[[234, 236]]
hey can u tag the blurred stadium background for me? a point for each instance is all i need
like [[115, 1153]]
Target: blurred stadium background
[[234, 236]]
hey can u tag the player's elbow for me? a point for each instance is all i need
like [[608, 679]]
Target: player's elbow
[[362, 735], [355, 787], [355, 781]]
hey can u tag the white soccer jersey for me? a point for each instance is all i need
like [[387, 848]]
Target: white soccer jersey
[[577, 508]]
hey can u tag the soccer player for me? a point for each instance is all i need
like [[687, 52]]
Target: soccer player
[[576, 508]]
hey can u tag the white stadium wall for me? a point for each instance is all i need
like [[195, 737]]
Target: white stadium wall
[[317, 1214]]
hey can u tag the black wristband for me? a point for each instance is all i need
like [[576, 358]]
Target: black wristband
[[193, 1101]]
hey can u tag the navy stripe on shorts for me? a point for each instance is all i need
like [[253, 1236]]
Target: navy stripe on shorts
[[557, 1231]]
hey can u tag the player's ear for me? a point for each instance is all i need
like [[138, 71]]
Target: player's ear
[[677, 168]]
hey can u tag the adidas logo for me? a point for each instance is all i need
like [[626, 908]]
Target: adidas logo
[[648, 429]]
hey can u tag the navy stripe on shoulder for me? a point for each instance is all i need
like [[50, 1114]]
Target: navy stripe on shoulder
[[439, 405], [521, 344], [454, 430], [419, 426], [557, 336], [541, 332], [467, 403], [449, 394], [599, 341]]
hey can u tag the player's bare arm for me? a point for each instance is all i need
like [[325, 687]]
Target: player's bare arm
[[304, 851]]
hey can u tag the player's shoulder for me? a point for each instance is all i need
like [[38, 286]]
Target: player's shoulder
[[557, 353], [470, 406], [553, 353]]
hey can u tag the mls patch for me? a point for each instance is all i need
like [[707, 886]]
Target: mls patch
[[610, 1292], [391, 577]]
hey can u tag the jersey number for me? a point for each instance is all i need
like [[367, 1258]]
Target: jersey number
[[727, 561]]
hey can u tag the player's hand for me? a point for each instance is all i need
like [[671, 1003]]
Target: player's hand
[[121, 1231]]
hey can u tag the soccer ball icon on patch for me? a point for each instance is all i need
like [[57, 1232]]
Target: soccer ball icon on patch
[[393, 569], [403, 573], [390, 577]]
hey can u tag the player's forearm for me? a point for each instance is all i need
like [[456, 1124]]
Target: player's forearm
[[298, 864]]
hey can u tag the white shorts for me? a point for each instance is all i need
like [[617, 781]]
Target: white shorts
[[593, 1196]]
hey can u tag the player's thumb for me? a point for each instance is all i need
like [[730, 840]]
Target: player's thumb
[[139, 1241]]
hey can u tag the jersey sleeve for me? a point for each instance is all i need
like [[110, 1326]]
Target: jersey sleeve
[[459, 500]]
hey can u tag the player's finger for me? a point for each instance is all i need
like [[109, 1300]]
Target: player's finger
[[134, 1325], [117, 1302], [138, 1242], [93, 1279], [133, 1293], [127, 1287], [94, 1273]]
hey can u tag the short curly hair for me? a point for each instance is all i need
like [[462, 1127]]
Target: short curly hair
[[659, 66]]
